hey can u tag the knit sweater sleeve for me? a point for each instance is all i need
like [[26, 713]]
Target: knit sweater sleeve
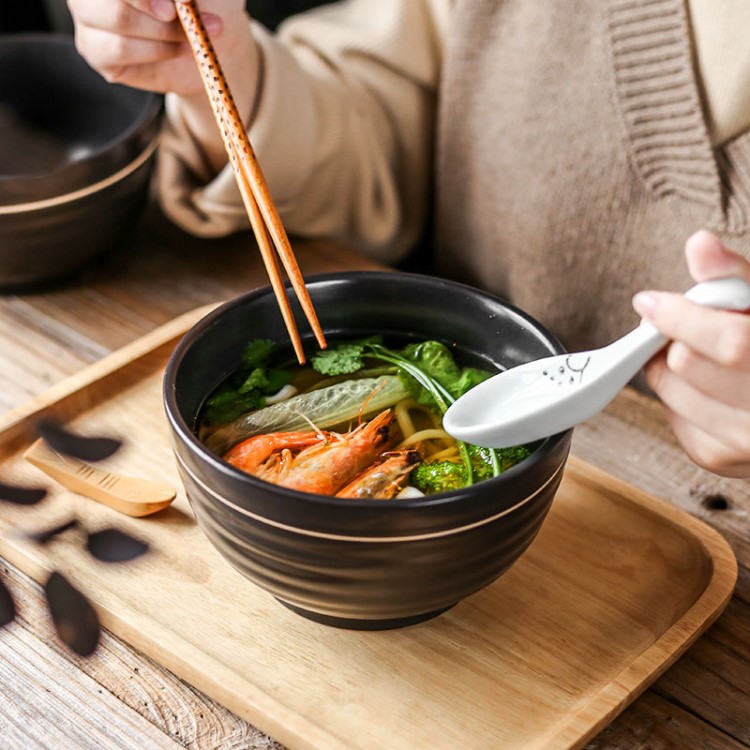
[[342, 128]]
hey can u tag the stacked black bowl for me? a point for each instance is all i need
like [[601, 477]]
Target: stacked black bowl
[[76, 155]]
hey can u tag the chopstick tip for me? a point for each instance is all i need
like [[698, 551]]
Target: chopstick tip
[[299, 351]]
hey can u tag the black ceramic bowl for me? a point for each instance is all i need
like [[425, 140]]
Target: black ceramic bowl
[[75, 158], [364, 564]]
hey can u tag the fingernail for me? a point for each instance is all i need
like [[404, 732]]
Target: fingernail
[[645, 304], [212, 23], [164, 9]]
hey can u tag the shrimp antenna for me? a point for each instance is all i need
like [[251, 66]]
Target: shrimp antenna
[[367, 401], [320, 433]]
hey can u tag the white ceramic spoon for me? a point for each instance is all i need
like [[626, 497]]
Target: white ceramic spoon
[[550, 395]]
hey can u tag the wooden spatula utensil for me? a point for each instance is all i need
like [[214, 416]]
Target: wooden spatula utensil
[[132, 496]]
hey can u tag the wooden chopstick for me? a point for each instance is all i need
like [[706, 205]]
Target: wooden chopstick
[[264, 218]]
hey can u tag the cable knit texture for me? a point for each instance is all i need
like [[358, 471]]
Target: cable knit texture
[[574, 158]]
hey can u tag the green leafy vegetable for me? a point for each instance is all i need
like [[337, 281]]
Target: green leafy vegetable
[[470, 376], [425, 370], [341, 360], [438, 395], [434, 359], [257, 353], [432, 374], [248, 387], [229, 404], [255, 381]]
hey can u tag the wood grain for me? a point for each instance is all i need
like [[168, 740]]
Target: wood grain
[[155, 705], [74, 714], [655, 724], [713, 680], [161, 273]]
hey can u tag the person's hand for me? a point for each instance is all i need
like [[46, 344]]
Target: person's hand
[[703, 376], [141, 42]]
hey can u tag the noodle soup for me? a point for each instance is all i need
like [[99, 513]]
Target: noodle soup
[[363, 420]]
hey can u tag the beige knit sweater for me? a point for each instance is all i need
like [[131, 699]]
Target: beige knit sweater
[[578, 143]]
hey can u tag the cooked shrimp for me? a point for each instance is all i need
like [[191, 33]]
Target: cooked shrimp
[[251, 453], [326, 467], [384, 480]]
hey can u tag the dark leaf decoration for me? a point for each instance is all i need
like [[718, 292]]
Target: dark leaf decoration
[[77, 446], [7, 606], [22, 495], [75, 619], [113, 545], [47, 535]]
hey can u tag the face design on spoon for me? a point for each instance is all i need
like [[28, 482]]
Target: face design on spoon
[[570, 371]]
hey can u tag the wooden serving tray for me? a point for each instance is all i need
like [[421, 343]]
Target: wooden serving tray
[[614, 589]]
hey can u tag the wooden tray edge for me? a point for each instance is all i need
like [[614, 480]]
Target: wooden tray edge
[[664, 652], [14, 421]]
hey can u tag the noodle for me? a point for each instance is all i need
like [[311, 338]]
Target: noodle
[[445, 455], [406, 423], [430, 434], [401, 412]]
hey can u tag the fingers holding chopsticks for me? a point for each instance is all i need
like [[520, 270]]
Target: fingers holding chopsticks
[[133, 19], [140, 42]]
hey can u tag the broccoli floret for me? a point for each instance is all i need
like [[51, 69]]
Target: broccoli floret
[[438, 476], [481, 462], [444, 476], [511, 456]]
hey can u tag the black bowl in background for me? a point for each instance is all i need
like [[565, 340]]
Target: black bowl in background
[[359, 563], [62, 126], [50, 240], [76, 154]]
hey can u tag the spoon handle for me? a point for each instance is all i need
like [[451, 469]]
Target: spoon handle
[[731, 293], [637, 347]]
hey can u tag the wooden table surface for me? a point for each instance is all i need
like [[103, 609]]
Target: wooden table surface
[[119, 699]]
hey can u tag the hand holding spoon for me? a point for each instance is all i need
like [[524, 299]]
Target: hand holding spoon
[[552, 394]]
